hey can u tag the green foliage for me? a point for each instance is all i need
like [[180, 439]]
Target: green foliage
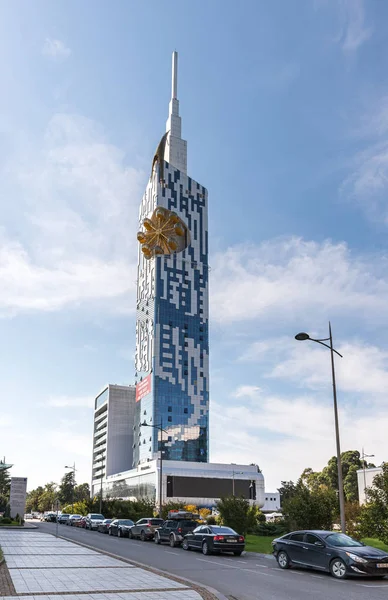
[[48, 497], [310, 509], [82, 492], [211, 520], [237, 514], [271, 529], [258, 543], [32, 500], [171, 506], [5, 483], [352, 516], [6, 521], [66, 492], [373, 521], [260, 517]]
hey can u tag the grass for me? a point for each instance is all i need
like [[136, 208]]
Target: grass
[[258, 543], [262, 543], [375, 543]]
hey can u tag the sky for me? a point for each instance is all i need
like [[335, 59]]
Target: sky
[[285, 109]]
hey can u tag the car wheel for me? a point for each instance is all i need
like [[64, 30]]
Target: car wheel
[[130, 534], [205, 549], [119, 534], [237, 553], [338, 568], [109, 531], [172, 541], [283, 560], [143, 536], [157, 538], [185, 545]]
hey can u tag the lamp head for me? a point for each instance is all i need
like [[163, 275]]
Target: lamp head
[[301, 337]]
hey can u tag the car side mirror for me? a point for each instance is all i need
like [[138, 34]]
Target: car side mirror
[[319, 544]]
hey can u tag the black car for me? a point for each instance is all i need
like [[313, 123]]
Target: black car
[[174, 529], [213, 539], [104, 526], [337, 553], [120, 527]]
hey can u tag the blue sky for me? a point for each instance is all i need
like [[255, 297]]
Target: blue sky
[[285, 109]]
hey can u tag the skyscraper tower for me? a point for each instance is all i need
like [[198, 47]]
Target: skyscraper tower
[[172, 326]]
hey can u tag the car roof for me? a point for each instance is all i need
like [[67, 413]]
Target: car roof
[[314, 531]]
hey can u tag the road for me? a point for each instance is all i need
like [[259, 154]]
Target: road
[[249, 577]]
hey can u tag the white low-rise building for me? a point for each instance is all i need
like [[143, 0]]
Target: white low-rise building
[[271, 502], [201, 484], [365, 480]]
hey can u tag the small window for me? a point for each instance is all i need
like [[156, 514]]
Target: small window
[[297, 537], [186, 411], [201, 338], [201, 311], [186, 363], [186, 326], [186, 344], [145, 412], [201, 329], [169, 438], [201, 355], [186, 372], [170, 323], [169, 419], [169, 409], [311, 539], [201, 373]]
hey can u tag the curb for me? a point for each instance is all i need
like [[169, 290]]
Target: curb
[[218, 595]]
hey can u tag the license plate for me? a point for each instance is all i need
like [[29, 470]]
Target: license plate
[[382, 565], [234, 541]]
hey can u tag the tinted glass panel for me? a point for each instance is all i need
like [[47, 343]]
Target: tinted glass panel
[[156, 521], [311, 539], [297, 537], [198, 529], [223, 530], [341, 540], [206, 487]]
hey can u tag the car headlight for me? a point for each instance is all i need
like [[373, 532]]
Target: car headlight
[[356, 558]]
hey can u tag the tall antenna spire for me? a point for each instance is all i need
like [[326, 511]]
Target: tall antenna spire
[[174, 83], [176, 148]]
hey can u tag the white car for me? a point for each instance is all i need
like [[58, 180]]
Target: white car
[[93, 520]]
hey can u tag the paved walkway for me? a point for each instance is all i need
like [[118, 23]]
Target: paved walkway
[[41, 564]]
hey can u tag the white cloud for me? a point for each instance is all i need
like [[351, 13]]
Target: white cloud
[[69, 401], [286, 434], [292, 277], [247, 391], [55, 49], [355, 32], [77, 202]]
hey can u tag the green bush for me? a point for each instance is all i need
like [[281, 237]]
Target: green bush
[[237, 514], [271, 529], [6, 521], [211, 520]]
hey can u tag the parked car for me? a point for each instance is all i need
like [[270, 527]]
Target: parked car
[[145, 529], [50, 517], [73, 519], [337, 553], [80, 523], [28, 517], [63, 518], [175, 528], [213, 539], [104, 526], [93, 520], [120, 527]]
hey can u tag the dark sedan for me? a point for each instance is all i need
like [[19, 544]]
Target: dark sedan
[[120, 527], [336, 553], [104, 526], [213, 539]]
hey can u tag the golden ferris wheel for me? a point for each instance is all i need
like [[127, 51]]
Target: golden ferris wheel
[[164, 233]]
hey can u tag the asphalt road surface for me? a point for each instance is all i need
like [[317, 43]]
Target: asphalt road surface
[[249, 577]]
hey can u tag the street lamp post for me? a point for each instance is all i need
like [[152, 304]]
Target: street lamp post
[[160, 428], [73, 469], [364, 456], [305, 336]]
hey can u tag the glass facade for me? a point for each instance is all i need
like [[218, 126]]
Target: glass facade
[[172, 329], [132, 487], [101, 399]]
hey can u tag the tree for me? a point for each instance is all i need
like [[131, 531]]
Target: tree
[[237, 514], [374, 514], [66, 492], [5, 483], [287, 490], [82, 492], [310, 509], [48, 497], [33, 500]]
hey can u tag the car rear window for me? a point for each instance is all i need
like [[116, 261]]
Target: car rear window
[[156, 521], [96, 517], [189, 524], [297, 537], [223, 530]]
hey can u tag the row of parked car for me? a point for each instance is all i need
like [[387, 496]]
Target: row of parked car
[[180, 529]]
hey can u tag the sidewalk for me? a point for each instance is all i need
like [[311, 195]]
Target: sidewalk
[[41, 564]]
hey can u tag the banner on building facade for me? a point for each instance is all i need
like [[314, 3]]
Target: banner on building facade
[[143, 388]]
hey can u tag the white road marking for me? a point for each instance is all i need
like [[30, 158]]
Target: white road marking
[[262, 566], [317, 576], [169, 552], [265, 574]]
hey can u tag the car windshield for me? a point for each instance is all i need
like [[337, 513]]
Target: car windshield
[[223, 530], [76, 516], [341, 540], [107, 521], [156, 521], [126, 522], [96, 517]]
